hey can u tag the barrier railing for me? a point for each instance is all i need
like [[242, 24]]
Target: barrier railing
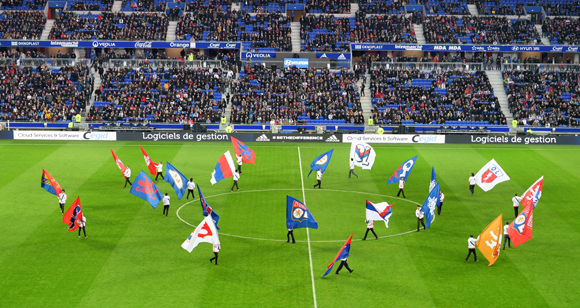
[[429, 66], [540, 66], [34, 62], [165, 63]]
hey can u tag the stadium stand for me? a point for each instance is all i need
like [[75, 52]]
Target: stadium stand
[[21, 25], [23, 5], [447, 7], [176, 95], [329, 33], [543, 97], [294, 95], [501, 7], [480, 30], [144, 5], [110, 26], [90, 5], [265, 6], [381, 7], [437, 97], [561, 7], [43, 94], [328, 6], [562, 31]]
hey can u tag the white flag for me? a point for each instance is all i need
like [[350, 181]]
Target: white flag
[[205, 232], [379, 211], [363, 154], [490, 175]]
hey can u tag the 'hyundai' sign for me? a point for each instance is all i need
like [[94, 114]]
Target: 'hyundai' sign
[[298, 62]]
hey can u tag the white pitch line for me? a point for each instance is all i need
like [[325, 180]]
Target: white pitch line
[[307, 233]]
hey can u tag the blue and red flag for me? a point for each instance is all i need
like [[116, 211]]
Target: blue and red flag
[[207, 209], [74, 213], [321, 162], [343, 253], [379, 211], [403, 171], [248, 155], [144, 188], [177, 180], [49, 183], [432, 201], [224, 168], [298, 216]]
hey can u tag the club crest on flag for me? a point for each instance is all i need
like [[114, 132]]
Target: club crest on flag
[[520, 222], [491, 174], [73, 218], [73, 213], [299, 212], [176, 178], [403, 171], [322, 160]]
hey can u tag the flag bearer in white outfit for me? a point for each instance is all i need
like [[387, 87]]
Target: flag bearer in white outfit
[[61, 201], [471, 246], [190, 187], [159, 171], [82, 223], [166, 204], [236, 178], [370, 228]]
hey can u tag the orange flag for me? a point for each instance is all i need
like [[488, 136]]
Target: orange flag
[[490, 240]]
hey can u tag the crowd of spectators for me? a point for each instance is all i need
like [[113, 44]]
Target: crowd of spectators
[[267, 31], [110, 26], [543, 98], [145, 5], [561, 7], [433, 97], [448, 7], [293, 95], [381, 7], [101, 5], [22, 4], [43, 94], [330, 33], [328, 6], [204, 19], [562, 31], [22, 25], [175, 95], [480, 30], [499, 7]]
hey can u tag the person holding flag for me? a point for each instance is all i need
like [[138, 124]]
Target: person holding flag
[[236, 178], [290, 233], [81, 222], [420, 218], [379, 211], [319, 174], [342, 255], [239, 161], [166, 199], [321, 162], [441, 198], [401, 186], [506, 236], [205, 232], [471, 246], [216, 250], [223, 169], [369, 223], [190, 189], [516, 203], [297, 216], [127, 175], [472, 182], [61, 201], [404, 171], [159, 171], [352, 168]]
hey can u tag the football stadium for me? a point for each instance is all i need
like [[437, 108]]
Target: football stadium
[[317, 153]]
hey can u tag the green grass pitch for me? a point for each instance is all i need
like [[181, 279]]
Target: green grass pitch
[[133, 257]]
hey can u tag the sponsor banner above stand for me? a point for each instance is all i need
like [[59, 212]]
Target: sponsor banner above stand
[[298, 62], [486, 139], [337, 56], [481, 48], [121, 44], [63, 135], [264, 137], [375, 138], [182, 136], [258, 55]]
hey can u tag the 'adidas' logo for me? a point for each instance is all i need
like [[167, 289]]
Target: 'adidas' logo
[[323, 56], [332, 138], [341, 57], [262, 138]]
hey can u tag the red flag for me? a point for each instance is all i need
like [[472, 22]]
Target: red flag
[[119, 163], [47, 177], [248, 156], [520, 230], [150, 164], [533, 194], [73, 214]]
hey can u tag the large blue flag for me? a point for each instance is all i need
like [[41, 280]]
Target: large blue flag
[[343, 253], [429, 205], [177, 180], [298, 216], [144, 188], [321, 162], [207, 209], [403, 171], [433, 179]]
